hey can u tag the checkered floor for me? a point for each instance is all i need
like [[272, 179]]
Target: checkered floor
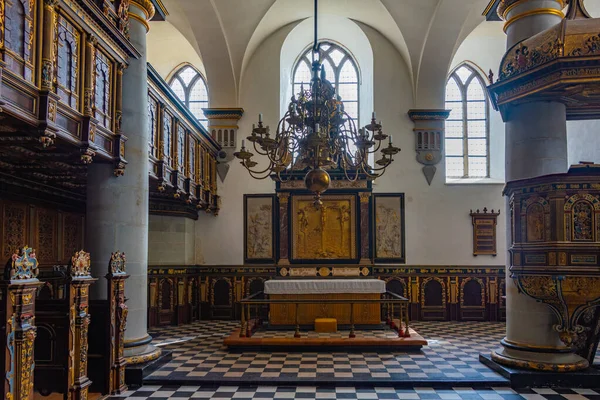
[[452, 356], [307, 392]]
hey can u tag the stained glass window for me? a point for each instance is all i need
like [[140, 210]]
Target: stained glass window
[[189, 85], [467, 127]]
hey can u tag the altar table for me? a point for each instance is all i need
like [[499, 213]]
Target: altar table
[[331, 289]]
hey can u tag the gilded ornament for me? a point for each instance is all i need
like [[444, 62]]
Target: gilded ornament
[[80, 264], [24, 265], [116, 264]]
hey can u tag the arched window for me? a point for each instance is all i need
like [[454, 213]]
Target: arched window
[[467, 127], [189, 85], [340, 69]]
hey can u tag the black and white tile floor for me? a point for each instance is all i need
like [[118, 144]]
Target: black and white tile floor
[[445, 369], [377, 393]]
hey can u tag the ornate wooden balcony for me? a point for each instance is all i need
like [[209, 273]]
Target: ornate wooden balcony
[[183, 155]]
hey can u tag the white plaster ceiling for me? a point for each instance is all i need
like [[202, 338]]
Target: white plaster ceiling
[[426, 33]]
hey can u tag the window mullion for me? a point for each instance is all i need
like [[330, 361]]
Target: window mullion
[[465, 132]]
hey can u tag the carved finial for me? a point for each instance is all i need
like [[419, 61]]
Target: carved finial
[[80, 264], [577, 10], [485, 210], [22, 265], [116, 266], [491, 77]]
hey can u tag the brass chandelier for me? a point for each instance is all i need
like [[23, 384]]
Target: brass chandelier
[[316, 134]]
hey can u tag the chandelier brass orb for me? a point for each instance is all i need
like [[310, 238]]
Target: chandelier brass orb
[[317, 180]]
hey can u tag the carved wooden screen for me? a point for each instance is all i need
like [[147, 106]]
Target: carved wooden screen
[[181, 149], [192, 159], [102, 93], [66, 53], [152, 126], [168, 138], [19, 37]]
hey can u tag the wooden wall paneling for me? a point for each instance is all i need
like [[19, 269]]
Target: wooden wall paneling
[[15, 227], [221, 298], [166, 301], [473, 299], [434, 299], [45, 239]]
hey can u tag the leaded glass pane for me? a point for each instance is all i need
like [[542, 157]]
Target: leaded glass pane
[[455, 167], [456, 110], [477, 129], [302, 73], [178, 89], [476, 110], [187, 74], [348, 91], [337, 56], [329, 72], [196, 109], [453, 92], [351, 108], [454, 129], [454, 147], [475, 90], [478, 167], [477, 147], [348, 73], [199, 92], [463, 73]]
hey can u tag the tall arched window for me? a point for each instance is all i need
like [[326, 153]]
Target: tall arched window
[[189, 85], [341, 70], [467, 128]]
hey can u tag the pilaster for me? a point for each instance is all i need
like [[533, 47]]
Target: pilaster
[[18, 297]]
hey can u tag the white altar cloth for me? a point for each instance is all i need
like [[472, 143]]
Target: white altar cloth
[[311, 286]]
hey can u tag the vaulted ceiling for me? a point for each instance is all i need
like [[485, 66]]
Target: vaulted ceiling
[[226, 33]]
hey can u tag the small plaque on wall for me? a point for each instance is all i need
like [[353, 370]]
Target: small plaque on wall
[[484, 232]]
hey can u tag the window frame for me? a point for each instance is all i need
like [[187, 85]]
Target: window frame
[[187, 89], [305, 57], [463, 88]]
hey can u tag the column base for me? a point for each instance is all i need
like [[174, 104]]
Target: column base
[[559, 359], [524, 378], [141, 353]]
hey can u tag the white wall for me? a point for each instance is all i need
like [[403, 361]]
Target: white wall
[[172, 241], [438, 226], [167, 48]]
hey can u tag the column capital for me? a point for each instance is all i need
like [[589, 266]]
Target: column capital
[[223, 114], [506, 6], [145, 5]]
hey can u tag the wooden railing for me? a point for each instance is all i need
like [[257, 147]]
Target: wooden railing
[[389, 300]]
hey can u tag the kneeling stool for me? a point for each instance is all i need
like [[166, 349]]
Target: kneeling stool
[[326, 325]]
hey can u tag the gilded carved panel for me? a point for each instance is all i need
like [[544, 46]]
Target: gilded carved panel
[[15, 221], [324, 233]]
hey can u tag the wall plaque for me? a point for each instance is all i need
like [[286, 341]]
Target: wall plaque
[[259, 228], [484, 232], [389, 244]]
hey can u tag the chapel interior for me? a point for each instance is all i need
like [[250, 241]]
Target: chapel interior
[[284, 199]]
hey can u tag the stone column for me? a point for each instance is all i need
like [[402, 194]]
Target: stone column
[[117, 208], [536, 144]]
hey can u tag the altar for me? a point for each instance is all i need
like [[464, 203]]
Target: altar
[[345, 290]]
